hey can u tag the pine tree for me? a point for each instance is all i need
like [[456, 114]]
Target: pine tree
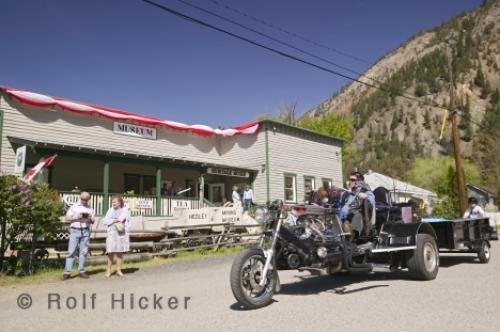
[[395, 121], [465, 121], [495, 97], [407, 128], [485, 91], [479, 79], [427, 119]]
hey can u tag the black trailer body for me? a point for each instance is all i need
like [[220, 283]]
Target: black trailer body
[[465, 236]]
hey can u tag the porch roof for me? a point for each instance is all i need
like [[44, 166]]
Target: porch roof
[[123, 153]]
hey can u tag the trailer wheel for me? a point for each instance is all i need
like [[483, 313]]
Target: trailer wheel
[[424, 262], [484, 253]]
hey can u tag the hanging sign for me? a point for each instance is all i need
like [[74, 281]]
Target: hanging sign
[[134, 130], [20, 160], [228, 172]]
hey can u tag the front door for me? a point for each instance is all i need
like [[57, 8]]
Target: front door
[[216, 192]]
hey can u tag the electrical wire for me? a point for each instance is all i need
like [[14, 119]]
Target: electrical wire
[[292, 34], [277, 40], [282, 53]]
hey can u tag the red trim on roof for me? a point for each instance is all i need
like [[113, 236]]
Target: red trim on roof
[[39, 100]]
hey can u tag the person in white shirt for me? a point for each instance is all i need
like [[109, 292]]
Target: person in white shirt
[[474, 210], [80, 216], [247, 198], [236, 197]]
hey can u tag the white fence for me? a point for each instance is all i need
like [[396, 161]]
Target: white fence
[[139, 205], [96, 200]]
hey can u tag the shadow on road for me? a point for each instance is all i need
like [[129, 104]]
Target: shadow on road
[[130, 270], [317, 284], [449, 261], [313, 284], [238, 307], [96, 271]]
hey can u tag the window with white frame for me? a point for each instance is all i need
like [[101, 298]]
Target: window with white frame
[[290, 188], [309, 184], [327, 183]]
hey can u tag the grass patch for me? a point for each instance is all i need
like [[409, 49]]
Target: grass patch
[[53, 274]]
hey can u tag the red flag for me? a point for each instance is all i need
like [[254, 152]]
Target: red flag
[[35, 170]]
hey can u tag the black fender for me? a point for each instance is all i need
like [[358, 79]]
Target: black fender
[[399, 234]]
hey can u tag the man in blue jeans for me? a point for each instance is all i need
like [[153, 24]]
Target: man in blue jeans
[[80, 216], [247, 198]]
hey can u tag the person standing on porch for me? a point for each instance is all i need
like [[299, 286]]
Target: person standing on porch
[[164, 189], [117, 241], [247, 198], [236, 196], [80, 216]]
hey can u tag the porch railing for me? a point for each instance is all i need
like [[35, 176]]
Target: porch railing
[[144, 205], [170, 204], [139, 205], [96, 200]]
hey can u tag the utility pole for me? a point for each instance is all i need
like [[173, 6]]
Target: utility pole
[[456, 139]]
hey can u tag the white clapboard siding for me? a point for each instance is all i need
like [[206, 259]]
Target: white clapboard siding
[[63, 127], [289, 153], [291, 150], [247, 151]]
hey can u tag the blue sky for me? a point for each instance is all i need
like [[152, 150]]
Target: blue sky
[[132, 56]]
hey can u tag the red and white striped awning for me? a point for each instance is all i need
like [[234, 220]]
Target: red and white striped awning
[[39, 100]]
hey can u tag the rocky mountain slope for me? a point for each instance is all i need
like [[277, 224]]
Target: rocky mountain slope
[[391, 131]]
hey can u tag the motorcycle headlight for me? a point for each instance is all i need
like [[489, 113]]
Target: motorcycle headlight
[[261, 215]]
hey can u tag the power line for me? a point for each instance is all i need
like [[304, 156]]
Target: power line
[[284, 54], [290, 33], [273, 50], [432, 104], [278, 40]]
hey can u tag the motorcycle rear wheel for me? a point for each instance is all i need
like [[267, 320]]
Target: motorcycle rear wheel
[[246, 273]]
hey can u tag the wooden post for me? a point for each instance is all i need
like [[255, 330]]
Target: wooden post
[[105, 187], [456, 140], [158, 191]]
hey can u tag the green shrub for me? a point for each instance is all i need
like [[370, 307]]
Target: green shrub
[[24, 210]]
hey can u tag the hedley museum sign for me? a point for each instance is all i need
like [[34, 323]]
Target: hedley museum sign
[[227, 172], [134, 130]]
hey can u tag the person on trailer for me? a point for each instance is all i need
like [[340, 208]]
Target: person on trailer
[[352, 202], [474, 210]]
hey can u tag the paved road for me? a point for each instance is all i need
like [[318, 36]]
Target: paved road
[[465, 296]]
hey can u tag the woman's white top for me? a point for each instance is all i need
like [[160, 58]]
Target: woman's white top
[[120, 214], [236, 197]]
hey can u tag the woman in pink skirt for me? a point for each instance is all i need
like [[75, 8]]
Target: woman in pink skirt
[[117, 241]]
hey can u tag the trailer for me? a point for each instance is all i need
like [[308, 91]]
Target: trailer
[[464, 236]]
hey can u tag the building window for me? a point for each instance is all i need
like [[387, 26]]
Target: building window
[[149, 185], [309, 183], [132, 184], [290, 188], [327, 183], [137, 184]]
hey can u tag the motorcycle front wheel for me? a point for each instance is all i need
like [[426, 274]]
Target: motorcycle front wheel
[[246, 274]]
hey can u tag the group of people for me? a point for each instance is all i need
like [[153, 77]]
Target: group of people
[[169, 189], [351, 207], [248, 197], [81, 216], [349, 202]]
